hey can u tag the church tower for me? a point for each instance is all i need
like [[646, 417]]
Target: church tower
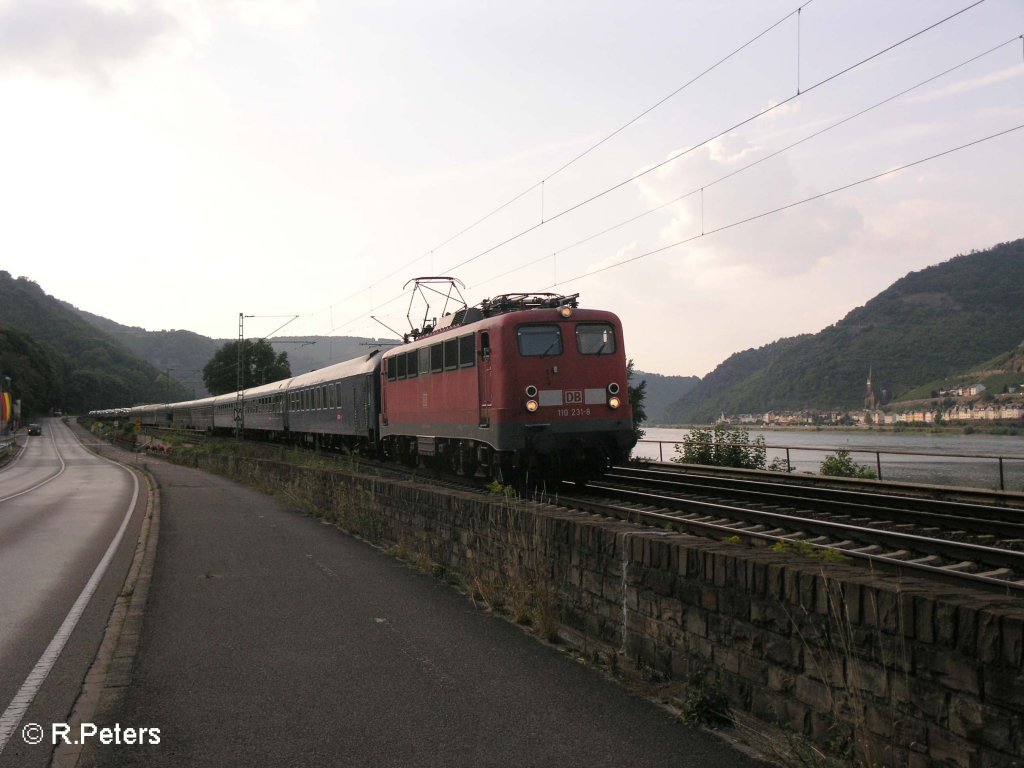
[[870, 398]]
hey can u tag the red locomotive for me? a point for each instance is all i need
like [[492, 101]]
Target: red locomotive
[[522, 383]]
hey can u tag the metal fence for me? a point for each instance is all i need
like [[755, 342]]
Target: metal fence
[[1004, 472]]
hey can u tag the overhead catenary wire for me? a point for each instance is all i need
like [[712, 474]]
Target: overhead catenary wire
[[565, 166], [788, 206], [682, 153], [754, 163], [720, 134]]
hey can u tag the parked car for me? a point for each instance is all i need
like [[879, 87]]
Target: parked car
[[35, 429]]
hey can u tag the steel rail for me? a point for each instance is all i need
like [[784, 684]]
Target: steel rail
[[1003, 558], [854, 503], [954, 550], [816, 491]]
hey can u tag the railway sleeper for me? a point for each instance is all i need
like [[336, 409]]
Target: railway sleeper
[[900, 554], [964, 566], [998, 573], [870, 549], [736, 525]]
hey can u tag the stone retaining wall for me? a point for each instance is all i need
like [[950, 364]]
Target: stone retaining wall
[[889, 671]]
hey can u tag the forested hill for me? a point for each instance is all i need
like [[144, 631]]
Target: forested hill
[[78, 366], [661, 391], [184, 353], [927, 325], [180, 354]]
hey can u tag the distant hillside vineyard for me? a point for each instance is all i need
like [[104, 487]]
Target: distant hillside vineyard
[[925, 326]]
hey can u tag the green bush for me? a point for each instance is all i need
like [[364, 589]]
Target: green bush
[[722, 446], [841, 465]]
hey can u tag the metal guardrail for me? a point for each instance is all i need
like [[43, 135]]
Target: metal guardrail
[[876, 452]]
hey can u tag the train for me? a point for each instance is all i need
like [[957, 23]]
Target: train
[[517, 385]]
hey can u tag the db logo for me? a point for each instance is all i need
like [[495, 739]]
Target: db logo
[[574, 397]]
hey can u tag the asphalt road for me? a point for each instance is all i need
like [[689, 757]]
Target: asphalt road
[[271, 639], [61, 508]]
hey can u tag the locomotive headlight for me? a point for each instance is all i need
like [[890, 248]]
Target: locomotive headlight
[[531, 391], [613, 388], [565, 311], [613, 402], [532, 406]]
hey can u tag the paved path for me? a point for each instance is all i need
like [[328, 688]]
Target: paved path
[[273, 639]]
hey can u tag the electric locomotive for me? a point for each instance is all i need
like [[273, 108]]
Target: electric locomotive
[[519, 384]]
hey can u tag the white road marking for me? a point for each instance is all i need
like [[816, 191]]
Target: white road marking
[[63, 467], [12, 716]]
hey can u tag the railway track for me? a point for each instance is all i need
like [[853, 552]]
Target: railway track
[[963, 542], [970, 541]]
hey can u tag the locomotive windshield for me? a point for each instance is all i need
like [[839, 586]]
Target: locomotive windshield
[[595, 339], [539, 340]]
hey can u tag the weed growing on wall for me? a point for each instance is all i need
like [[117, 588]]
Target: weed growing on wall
[[703, 701], [856, 663], [806, 549]]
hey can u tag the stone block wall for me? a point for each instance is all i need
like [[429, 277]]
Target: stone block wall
[[890, 671]]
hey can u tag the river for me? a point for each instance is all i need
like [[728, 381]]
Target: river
[[958, 461]]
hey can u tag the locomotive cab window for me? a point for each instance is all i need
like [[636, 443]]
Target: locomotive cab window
[[539, 340], [485, 346], [595, 339]]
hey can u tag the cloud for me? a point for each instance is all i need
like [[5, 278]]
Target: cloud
[[968, 85], [287, 14], [785, 243], [73, 38]]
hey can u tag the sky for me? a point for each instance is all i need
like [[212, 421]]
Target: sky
[[720, 175]]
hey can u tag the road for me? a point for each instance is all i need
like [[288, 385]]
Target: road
[[69, 521]]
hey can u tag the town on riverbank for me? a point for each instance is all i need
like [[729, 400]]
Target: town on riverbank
[[962, 409]]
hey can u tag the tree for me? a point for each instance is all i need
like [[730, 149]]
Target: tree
[[260, 366], [637, 395]]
